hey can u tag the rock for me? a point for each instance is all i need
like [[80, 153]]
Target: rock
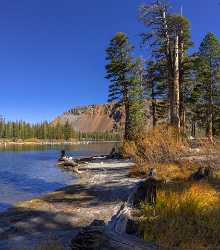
[[209, 172], [146, 192], [203, 173], [91, 237], [132, 226]]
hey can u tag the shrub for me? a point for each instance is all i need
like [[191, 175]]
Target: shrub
[[159, 145]]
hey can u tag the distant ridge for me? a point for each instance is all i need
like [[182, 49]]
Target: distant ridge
[[92, 118]]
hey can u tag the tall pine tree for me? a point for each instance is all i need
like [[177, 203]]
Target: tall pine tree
[[206, 92], [125, 75], [169, 39]]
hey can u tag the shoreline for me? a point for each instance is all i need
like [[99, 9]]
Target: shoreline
[[103, 185], [9, 143]]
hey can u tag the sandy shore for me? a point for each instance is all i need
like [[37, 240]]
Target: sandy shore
[[97, 194]]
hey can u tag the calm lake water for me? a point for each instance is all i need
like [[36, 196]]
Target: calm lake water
[[30, 171]]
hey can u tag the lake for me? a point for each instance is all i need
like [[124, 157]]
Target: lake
[[30, 171]]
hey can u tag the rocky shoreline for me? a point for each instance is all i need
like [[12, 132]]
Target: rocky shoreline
[[103, 186]]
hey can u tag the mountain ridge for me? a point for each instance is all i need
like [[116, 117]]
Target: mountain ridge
[[92, 118]]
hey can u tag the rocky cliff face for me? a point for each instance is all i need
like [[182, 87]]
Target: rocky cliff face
[[92, 118]]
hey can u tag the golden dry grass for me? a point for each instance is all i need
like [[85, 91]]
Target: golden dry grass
[[186, 216], [175, 171], [168, 171]]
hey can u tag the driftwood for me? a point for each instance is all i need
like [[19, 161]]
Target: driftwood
[[90, 159], [121, 232]]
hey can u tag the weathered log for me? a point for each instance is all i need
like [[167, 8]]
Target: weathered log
[[122, 226]]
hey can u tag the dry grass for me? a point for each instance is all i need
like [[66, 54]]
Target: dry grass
[[176, 171], [187, 216], [207, 147], [167, 171], [159, 145]]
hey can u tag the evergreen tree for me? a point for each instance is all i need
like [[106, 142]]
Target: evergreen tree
[[22, 130], [67, 131], [156, 90], [118, 70], [136, 116], [206, 93], [169, 38], [124, 76]]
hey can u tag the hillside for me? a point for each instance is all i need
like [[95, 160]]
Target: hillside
[[92, 118]]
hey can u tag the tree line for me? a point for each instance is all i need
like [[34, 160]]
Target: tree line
[[47, 131], [184, 88]]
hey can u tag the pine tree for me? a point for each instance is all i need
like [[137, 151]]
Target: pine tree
[[125, 79], [156, 90], [206, 92], [136, 114], [67, 131], [169, 38]]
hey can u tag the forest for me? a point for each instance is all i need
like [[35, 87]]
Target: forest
[[21, 130], [183, 86]]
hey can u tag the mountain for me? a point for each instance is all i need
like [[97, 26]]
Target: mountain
[[92, 118]]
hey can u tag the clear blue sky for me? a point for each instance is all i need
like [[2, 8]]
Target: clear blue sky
[[52, 52]]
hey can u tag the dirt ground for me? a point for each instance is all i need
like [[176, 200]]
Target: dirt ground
[[97, 194]]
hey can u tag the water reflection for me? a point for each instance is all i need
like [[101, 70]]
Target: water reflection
[[91, 147]]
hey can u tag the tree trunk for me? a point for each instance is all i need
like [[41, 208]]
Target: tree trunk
[[209, 129], [175, 119], [182, 111], [181, 85], [169, 58], [154, 113], [153, 105], [193, 129], [126, 133]]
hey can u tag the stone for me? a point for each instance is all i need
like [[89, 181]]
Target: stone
[[91, 237], [146, 192], [132, 226], [203, 173]]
